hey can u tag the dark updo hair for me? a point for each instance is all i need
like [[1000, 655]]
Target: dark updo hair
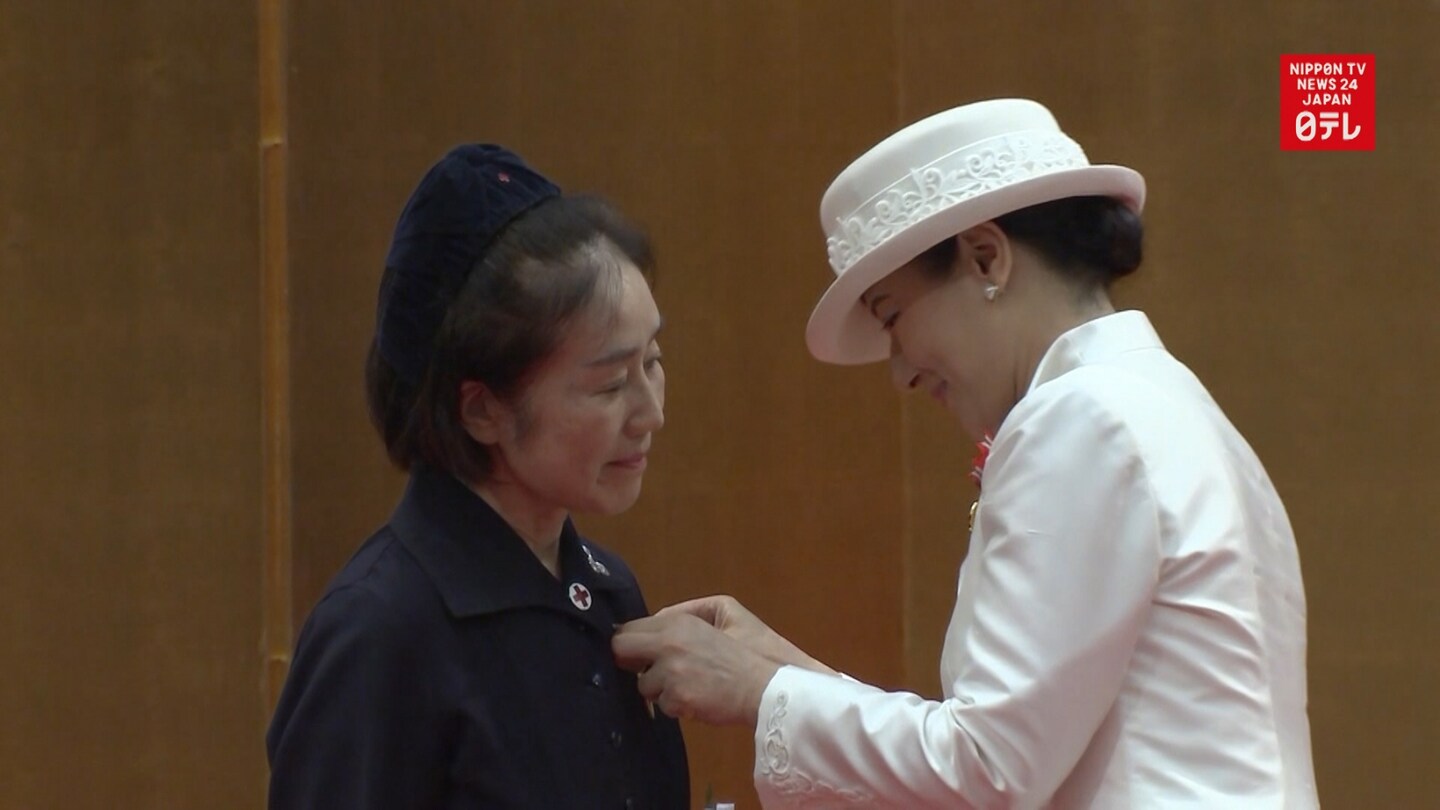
[[1090, 240], [511, 313]]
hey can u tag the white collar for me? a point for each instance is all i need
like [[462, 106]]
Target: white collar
[[1096, 341]]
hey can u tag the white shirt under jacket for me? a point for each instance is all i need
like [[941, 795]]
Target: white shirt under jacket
[[1129, 625]]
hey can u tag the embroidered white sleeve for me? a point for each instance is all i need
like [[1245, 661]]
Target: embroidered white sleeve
[[798, 789]]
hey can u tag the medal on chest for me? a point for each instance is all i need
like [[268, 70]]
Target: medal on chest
[[595, 565], [977, 473]]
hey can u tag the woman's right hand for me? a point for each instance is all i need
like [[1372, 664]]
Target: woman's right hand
[[726, 614]]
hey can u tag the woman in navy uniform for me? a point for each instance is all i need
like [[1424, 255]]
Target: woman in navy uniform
[[461, 658]]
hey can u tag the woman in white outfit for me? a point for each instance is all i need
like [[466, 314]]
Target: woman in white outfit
[[1129, 625]]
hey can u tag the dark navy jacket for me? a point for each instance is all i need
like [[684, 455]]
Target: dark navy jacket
[[445, 667]]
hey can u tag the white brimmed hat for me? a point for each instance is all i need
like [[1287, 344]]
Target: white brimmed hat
[[932, 180]]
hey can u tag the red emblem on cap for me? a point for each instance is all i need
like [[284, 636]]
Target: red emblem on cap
[[580, 596], [504, 178]]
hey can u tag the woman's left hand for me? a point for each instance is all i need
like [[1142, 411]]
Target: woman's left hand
[[690, 669]]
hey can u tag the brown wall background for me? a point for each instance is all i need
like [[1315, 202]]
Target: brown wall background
[[184, 456], [129, 407]]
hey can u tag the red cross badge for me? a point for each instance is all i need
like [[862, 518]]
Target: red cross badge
[[580, 596]]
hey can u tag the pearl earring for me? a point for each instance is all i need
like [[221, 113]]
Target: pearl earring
[[992, 292]]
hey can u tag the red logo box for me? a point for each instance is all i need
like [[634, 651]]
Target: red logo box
[[1327, 101]]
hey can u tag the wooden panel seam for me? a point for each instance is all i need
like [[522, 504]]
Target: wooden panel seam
[[276, 587]]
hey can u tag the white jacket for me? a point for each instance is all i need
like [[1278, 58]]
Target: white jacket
[[1129, 626]]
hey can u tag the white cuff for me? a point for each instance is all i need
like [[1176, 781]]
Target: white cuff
[[780, 781]]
